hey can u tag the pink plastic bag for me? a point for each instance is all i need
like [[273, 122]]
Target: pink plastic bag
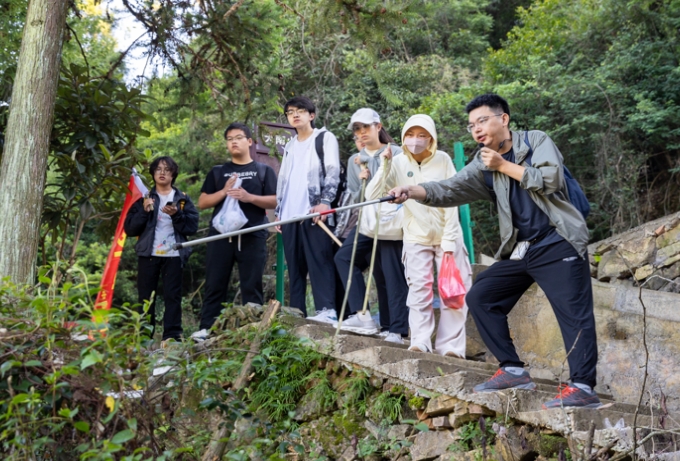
[[451, 288]]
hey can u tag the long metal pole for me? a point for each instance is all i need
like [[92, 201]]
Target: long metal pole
[[248, 230]]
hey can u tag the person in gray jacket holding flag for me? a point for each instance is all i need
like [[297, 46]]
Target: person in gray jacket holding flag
[[544, 239]]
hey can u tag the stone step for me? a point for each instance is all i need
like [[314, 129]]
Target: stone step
[[456, 377]]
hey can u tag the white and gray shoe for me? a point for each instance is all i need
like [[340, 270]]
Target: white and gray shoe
[[360, 323], [394, 338], [325, 316], [200, 335]]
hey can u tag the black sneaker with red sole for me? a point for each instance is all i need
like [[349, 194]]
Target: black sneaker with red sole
[[506, 380], [572, 396]]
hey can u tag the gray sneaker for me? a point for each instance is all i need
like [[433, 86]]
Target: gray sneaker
[[394, 338], [506, 380], [360, 323]]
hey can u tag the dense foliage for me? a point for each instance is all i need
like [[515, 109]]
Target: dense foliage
[[114, 396]]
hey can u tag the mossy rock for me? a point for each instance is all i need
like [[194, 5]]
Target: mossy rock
[[333, 433], [550, 445]]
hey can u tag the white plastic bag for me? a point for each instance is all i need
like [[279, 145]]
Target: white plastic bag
[[230, 218]]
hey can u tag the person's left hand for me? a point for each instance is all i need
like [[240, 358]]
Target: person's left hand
[[365, 174], [240, 194], [169, 209], [492, 159], [321, 207]]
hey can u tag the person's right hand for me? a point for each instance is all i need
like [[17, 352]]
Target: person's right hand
[[365, 174], [400, 194], [148, 204], [278, 228], [387, 153], [230, 184]]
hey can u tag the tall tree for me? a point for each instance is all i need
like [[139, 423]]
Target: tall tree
[[24, 160]]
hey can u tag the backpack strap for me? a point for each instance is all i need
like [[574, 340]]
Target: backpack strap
[[261, 169], [531, 149], [217, 173], [318, 144]]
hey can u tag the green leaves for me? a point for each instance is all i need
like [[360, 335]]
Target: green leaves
[[90, 359]]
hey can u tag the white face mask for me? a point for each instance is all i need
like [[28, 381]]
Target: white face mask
[[416, 145]]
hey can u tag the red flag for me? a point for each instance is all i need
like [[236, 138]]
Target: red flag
[[137, 189]]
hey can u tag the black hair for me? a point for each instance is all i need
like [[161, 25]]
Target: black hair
[[384, 137], [301, 102], [492, 101], [169, 163], [239, 126]]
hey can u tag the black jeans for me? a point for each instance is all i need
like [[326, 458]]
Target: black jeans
[[219, 262], [565, 278], [388, 268], [149, 269], [309, 251]]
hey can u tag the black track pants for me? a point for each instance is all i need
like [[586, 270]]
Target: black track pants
[[565, 279], [149, 270]]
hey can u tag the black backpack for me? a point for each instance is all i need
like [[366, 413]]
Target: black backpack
[[576, 195], [342, 196], [342, 185]]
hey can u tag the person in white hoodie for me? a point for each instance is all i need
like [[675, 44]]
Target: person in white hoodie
[[428, 234]]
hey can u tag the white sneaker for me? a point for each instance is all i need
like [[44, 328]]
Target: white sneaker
[[200, 335], [394, 338], [419, 348], [360, 323], [383, 334], [325, 316]]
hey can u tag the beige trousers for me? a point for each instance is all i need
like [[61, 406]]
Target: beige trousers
[[419, 263]]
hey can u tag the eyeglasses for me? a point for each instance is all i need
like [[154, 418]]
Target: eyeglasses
[[163, 170], [360, 126], [481, 121], [236, 138], [291, 112]]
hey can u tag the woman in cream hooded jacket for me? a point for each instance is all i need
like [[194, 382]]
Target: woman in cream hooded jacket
[[428, 233]]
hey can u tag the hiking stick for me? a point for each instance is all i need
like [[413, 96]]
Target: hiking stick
[[325, 228], [375, 240], [351, 259], [212, 238]]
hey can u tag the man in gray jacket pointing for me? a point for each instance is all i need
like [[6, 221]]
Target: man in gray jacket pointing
[[544, 239]]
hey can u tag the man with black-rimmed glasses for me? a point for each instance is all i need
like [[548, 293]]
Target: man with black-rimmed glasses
[[544, 239]]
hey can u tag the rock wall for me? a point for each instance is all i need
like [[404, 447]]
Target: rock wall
[[648, 255]]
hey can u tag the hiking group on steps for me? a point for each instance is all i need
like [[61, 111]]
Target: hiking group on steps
[[543, 235]]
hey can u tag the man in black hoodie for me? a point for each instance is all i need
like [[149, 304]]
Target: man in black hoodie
[[164, 217]]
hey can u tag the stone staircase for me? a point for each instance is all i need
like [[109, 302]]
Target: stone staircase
[[448, 381]]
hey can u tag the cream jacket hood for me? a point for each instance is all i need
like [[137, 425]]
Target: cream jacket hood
[[422, 224]]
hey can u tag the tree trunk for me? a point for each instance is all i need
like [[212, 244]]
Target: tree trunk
[[27, 139]]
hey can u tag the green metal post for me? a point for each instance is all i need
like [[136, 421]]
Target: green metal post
[[465, 220], [280, 268]]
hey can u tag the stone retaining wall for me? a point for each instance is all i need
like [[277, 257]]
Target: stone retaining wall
[[648, 255]]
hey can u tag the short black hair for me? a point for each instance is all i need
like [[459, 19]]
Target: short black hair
[[492, 101], [169, 163], [301, 102], [239, 126]]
